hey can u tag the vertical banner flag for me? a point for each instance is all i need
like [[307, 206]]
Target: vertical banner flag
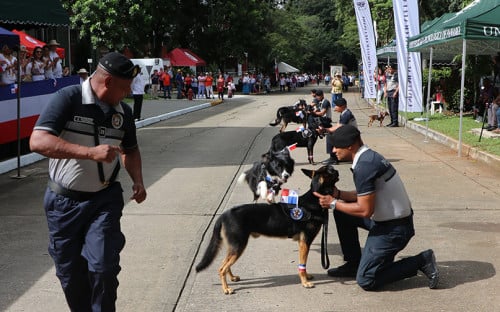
[[406, 22], [367, 43]]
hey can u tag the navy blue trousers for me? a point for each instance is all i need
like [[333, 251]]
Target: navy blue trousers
[[393, 105], [376, 262], [85, 241]]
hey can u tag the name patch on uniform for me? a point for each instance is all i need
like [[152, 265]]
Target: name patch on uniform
[[117, 120], [102, 132], [85, 120]]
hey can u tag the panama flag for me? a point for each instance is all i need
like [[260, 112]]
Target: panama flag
[[289, 196], [292, 147]]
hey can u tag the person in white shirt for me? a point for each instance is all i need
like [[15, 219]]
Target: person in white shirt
[[57, 70], [137, 87]]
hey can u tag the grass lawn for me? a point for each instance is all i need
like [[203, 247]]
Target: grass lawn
[[449, 126]]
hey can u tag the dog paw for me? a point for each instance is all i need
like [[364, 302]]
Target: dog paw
[[235, 278], [308, 285], [228, 291]]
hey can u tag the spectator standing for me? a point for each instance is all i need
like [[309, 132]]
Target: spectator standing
[[220, 87], [327, 79], [380, 205], [137, 87], [167, 85], [209, 85], [8, 62], [84, 75], [188, 82], [57, 69], [24, 60], [36, 68], [84, 198], [336, 87], [179, 83], [155, 83], [194, 86], [379, 77], [391, 92], [66, 71], [49, 66], [202, 78]]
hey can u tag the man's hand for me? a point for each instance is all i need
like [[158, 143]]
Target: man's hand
[[139, 194], [104, 153], [324, 200]]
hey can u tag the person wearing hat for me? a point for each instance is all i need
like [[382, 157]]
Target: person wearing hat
[[84, 74], [379, 204], [391, 93], [57, 70], [336, 87], [84, 132]]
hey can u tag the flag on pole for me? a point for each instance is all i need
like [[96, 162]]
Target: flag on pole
[[367, 43], [406, 22]]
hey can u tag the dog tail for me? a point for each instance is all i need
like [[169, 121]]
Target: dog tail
[[275, 122], [213, 247], [242, 178]]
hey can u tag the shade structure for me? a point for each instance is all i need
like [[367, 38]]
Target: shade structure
[[9, 38], [33, 12], [287, 68], [31, 43], [184, 57]]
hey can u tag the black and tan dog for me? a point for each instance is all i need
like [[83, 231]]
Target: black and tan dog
[[306, 138], [235, 226], [267, 175], [379, 117], [288, 114]]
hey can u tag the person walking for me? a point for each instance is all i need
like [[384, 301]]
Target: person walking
[[84, 131], [379, 204]]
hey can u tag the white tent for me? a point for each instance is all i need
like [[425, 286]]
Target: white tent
[[286, 68]]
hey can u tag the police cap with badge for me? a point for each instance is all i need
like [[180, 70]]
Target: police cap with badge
[[119, 65]]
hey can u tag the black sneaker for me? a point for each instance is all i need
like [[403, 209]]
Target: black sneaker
[[429, 268], [330, 161], [348, 269]]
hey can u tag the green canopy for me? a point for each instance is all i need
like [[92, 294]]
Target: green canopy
[[33, 12], [389, 50], [478, 24]]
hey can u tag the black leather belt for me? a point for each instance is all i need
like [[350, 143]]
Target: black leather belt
[[401, 221], [75, 195]]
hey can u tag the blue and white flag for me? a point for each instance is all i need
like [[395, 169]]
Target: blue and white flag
[[406, 22], [367, 43]]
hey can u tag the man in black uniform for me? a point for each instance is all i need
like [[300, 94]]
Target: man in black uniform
[[84, 130], [380, 205]]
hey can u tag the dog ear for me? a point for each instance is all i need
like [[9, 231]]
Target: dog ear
[[307, 172]]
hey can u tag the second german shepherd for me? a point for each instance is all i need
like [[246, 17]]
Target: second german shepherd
[[235, 226]]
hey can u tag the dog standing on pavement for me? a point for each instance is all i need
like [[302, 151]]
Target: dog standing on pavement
[[300, 222], [379, 117], [287, 114], [267, 175]]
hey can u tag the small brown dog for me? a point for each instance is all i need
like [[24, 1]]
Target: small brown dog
[[380, 117]]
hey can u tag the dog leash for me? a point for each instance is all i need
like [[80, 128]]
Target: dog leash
[[325, 261]]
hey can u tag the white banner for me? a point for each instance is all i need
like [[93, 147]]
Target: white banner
[[367, 43], [407, 23]]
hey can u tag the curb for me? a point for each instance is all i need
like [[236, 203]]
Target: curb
[[28, 159]]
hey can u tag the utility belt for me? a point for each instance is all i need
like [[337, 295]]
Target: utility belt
[[72, 194], [401, 221]]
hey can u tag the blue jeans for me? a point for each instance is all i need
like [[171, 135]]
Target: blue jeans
[[376, 263], [335, 96]]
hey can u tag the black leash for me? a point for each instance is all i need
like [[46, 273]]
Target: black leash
[[325, 261]]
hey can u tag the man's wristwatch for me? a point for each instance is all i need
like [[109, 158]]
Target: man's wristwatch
[[333, 204]]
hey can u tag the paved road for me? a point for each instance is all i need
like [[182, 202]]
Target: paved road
[[191, 163]]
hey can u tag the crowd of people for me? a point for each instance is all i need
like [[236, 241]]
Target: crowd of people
[[43, 63]]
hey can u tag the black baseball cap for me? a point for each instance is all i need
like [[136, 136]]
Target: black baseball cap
[[119, 65], [319, 92]]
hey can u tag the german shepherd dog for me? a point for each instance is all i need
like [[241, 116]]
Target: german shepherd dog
[[267, 175], [379, 117], [235, 226], [306, 138], [287, 114]]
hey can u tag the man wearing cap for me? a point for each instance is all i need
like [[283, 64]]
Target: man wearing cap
[[380, 205], [84, 131], [391, 93], [55, 59]]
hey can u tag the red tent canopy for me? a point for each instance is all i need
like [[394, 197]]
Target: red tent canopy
[[31, 43], [184, 57]]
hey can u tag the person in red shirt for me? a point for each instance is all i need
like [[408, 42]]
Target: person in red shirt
[[209, 86], [167, 87], [187, 82], [220, 87]]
